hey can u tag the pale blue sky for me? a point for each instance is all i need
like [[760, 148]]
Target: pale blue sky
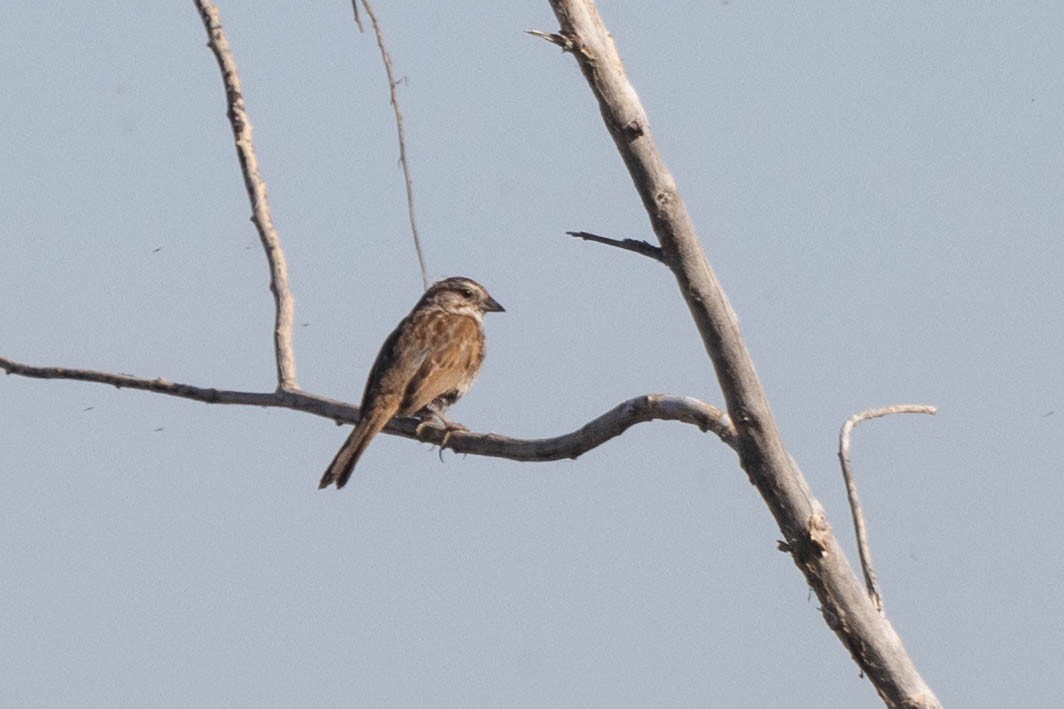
[[879, 188]]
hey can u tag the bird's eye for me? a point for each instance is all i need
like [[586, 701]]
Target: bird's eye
[[466, 293]]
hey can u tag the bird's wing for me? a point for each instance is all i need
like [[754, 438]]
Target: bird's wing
[[450, 362]]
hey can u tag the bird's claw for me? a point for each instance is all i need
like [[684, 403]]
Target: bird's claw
[[448, 428]]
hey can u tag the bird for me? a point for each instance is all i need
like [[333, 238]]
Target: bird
[[428, 362]]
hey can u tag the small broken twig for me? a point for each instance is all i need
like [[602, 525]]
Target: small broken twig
[[640, 247], [554, 38], [863, 549]]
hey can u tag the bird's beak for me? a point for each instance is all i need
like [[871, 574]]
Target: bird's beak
[[492, 306]]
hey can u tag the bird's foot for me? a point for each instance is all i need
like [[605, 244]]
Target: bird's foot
[[448, 427]]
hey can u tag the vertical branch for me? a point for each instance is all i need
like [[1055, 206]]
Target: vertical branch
[[257, 193], [856, 512], [392, 84]]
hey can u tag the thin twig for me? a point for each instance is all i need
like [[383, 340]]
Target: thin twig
[[257, 192], [650, 407], [400, 131], [639, 247], [863, 548], [358, 19]]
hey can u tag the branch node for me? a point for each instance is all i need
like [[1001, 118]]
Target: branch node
[[633, 129]]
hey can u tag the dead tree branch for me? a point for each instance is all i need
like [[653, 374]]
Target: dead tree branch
[[260, 203], [650, 407], [856, 511], [401, 132], [869, 637]]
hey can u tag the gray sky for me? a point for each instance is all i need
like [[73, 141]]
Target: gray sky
[[879, 188]]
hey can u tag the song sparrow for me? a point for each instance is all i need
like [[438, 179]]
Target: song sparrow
[[428, 362]]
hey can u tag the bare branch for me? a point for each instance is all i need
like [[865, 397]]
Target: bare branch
[[260, 203], [392, 84], [869, 637], [650, 407], [639, 247], [863, 549]]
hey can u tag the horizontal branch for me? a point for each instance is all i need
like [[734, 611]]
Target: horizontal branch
[[649, 407]]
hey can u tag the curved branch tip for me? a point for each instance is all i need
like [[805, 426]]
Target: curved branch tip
[[856, 511]]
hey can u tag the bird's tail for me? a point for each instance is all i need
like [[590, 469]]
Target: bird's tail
[[343, 464]]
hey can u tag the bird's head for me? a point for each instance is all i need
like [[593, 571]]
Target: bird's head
[[461, 295]]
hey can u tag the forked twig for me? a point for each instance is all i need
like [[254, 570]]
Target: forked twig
[[401, 132], [257, 193], [863, 549]]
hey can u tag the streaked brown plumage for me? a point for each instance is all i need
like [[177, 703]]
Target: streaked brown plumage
[[428, 362]]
